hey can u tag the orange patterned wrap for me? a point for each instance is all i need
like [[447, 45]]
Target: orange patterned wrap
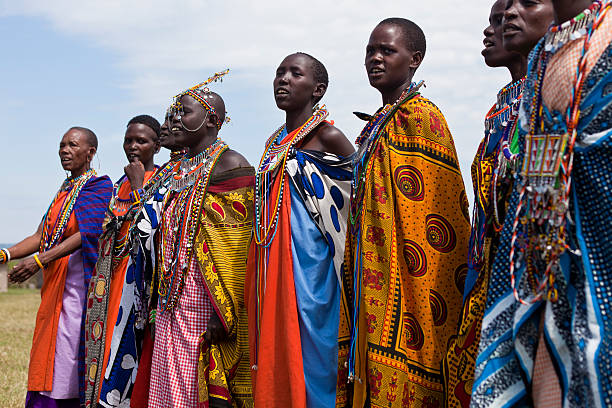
[[413, 242]]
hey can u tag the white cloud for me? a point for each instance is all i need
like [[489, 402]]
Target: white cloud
[[164, 47]]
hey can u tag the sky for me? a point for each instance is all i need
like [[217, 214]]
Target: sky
[[99, 63]]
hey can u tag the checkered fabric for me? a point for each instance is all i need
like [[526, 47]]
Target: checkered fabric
[[174, 370]]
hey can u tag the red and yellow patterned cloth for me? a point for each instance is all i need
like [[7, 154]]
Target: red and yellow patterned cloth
[[413, 242]]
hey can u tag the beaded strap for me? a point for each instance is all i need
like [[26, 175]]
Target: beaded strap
[[51, 236]]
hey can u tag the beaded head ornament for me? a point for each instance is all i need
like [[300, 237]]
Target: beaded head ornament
[[202, 94]]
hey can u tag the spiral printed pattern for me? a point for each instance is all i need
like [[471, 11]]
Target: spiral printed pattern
[[415, 259], [410, 182], [413, 334], [460, 277], [440, 233], [439, 310]]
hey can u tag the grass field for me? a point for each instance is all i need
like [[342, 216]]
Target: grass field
[[18, 310]]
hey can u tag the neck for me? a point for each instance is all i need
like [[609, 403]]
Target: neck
[[149, 165], [200, 147], [564, 10], [295, 119], [390, 97], [518, 68], [77, 173]]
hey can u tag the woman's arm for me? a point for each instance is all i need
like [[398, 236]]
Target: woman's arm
[[27, 246], [28, 267]]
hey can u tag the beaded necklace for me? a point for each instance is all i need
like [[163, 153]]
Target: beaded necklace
[[367, 141], [572, 29], [500, 118], [273, 164], [188, 186], [545, 186], [275, 157], [51, 235]]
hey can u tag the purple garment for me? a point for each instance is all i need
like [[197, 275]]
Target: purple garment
[[66, 362], [35, 400]]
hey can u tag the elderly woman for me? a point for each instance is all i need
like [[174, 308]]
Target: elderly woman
[[65, 248]]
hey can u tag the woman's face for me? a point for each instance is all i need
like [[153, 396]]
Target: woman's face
[[76, 152], [494, 53], [140, 143], [187, 125], [525, 22]]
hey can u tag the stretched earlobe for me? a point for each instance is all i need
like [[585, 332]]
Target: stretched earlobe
[[417, 59]]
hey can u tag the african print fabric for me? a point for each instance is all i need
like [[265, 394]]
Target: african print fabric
[[105, 290], [491, 193], [294, 354], [222, 245], [180, 376], [405, 262], [572, 330]]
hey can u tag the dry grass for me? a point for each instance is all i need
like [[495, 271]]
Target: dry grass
[[18, 310]]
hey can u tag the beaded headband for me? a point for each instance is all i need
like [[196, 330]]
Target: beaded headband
[[201, 93]]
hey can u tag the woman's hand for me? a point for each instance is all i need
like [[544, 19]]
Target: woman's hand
[[215, 332], [135, 172], [24, 270]]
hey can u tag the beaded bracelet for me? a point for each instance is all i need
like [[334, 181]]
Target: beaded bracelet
[[136, 195], [40, 264], [5, 256]]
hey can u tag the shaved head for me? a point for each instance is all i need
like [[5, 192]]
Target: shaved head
[[90, 136], [215, 100]]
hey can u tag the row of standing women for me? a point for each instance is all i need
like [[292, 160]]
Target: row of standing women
[[329, 277]]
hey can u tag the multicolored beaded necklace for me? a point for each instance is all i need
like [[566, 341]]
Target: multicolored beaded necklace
[[52, 235], [500, 118], [273, 164], [368, 142], [188, 185], [275, 157], [546, 172]]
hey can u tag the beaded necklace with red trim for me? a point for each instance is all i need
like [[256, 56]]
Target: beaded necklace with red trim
[[187, 186], [275, 157], [273, 164], [52, 234], [500, 118], [545, 191]]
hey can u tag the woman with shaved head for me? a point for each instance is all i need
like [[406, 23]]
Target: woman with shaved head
[[201, 221], [546, 326], [514, 29], [65, 249]]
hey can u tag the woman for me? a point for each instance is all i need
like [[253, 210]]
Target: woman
[[491, 177], [547, 318], [140, 145], [66, 242], [200, 353], [295, 259]]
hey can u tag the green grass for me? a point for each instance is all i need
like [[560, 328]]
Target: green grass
[[18, 310]]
